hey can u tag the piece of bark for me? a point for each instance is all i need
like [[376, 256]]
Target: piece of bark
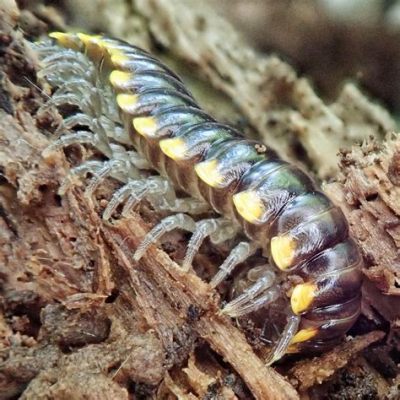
[[47, 371], [173, 388], [309, 373], [368, 191], [204, 383]]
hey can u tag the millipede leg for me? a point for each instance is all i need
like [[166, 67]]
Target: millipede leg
[[238, 254], [133, 162], [205, 228], [283, 343], [113, 130], [77, 173], [123, 166], [119, 134], [107, 169], [53, 55], [134, 198], [74, 120], [188, 205], [134, 190], [78, 85], [178, 221], [80, 137], [261, 293], [58, 72]]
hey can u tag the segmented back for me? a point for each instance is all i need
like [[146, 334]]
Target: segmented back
[[277, 206]]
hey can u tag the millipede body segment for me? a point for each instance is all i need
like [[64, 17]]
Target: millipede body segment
[[276, 205]]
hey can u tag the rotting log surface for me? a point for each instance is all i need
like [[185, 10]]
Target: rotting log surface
[[80, 319]]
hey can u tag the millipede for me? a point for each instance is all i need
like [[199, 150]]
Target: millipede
[[157, 141]]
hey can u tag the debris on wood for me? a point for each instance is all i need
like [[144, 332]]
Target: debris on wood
[[311, 372]]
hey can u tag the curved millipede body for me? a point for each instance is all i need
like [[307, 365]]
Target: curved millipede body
[[276, 205]]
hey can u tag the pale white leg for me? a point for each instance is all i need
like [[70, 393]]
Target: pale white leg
[[130, 157], [116, 131], [188, 205], [100, 169], [169, 202], [72, 72], [226, 232], [108, 168], [75, 91], [62, 66], [89, 95], [74, 120], [206, 228], [286, 337], [73, 138], [79, 92], [92, 104], [76, 174], [113, 130], [88, 102], [60, 72], [55, 54], [134, 189], [238, 254], [77, 84], [134, 199], [155, 188], [119, 168], [155, 185], [110, 106], [71, 99], [255, 304], [45, 48], [178, 221], [254, 297], [80, 86], [79, 137], [133, 192]]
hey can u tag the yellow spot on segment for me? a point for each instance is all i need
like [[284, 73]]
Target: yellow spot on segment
[[283, 250], [127, 102], [174, 148], [249, 205], [208, 172], [60, 36], [302, 297], [89, 39], [120, 78], [66, 40], [118, 58], [303, 335], [146, 126]]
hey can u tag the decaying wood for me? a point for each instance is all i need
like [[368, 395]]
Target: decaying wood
[[79, 318], [316, 371], [369, 187]]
